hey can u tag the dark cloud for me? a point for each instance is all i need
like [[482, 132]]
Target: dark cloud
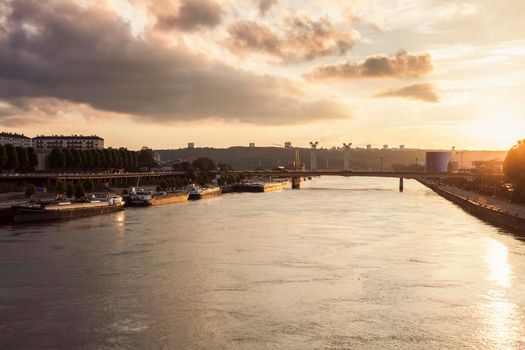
[[401, 65], [265, 5], [87, 54], [303, 39], [192, 15], [423, 92]]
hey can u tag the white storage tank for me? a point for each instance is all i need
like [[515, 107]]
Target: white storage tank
[[437, 162]]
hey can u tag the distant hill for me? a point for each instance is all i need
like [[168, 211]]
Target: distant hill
[[243, 158]]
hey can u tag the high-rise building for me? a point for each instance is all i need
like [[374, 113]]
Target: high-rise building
[[368, 147], [47, 143], [287, 145], [14, 139], [385, 147], [402, 147], [252, 144], [191, 145]]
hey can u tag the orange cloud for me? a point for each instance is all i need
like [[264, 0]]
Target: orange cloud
[[304, 39], [400, 65], [423, 92]]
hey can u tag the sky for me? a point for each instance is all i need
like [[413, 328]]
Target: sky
[[219, 73]]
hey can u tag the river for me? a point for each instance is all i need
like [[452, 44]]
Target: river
[[343, 263]]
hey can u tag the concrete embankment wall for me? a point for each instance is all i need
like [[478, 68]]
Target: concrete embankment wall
[[488, 213]]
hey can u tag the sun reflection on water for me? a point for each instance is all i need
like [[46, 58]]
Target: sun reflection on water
[[500, 314], [497, 261]]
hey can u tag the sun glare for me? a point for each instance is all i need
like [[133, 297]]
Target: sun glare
[[498, 129]]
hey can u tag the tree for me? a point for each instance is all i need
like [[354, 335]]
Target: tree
[[70, 190], [12, 158], [87, 184], [77, 159], [60, 187], [146, 158], [32, 159], [30, 190], [204, 164], [108, 155], [57, 159], [514, 164], [79, 191], [23, 159], [70, 160], [3, 156]]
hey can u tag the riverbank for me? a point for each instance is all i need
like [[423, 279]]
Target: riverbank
[[496, 211]]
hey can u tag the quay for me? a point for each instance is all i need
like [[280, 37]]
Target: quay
[[496, 211]]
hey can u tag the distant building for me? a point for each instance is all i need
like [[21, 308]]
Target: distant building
[[493, 166], [385, 147], [437, 162], [368, 147], [287, 145], [401, 147], [14, 139], [47, 143], [252, 145], [191, 145]]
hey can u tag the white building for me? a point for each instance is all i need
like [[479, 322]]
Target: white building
[[47, 143], [14, 139]]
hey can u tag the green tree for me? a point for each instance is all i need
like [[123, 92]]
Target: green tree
[[79, 191], [70, 160], [102, 157], [146, 158], [57, 159], [12, 158], [3, 156], [514, 164], [108, 155], [204, 164], [30, 190], [32, 159], [88, 185], [23, 159], [60, 187], [77, 159], [70, 190], [85, 163]]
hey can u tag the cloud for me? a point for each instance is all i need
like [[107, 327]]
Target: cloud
[[304, 39], [192, 15], [265, 5], [87, 55], [423, 92], [400, 65]]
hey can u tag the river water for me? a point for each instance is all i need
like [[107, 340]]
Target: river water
[[343, 263]]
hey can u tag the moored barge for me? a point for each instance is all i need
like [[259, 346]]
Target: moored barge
[[196, 192], [147, 198], [33, 212]]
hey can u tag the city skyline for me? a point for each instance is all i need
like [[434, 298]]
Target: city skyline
[[428, 74]]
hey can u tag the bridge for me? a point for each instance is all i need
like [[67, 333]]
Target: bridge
[[43, 178], [296, 175]]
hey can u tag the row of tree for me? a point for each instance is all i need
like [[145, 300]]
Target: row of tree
[[20, 159], [67, 159]]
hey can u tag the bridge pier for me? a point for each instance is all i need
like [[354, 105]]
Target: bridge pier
[[401, 184], [296, 182]]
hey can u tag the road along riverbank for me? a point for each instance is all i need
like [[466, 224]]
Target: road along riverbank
[[495, 211]]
